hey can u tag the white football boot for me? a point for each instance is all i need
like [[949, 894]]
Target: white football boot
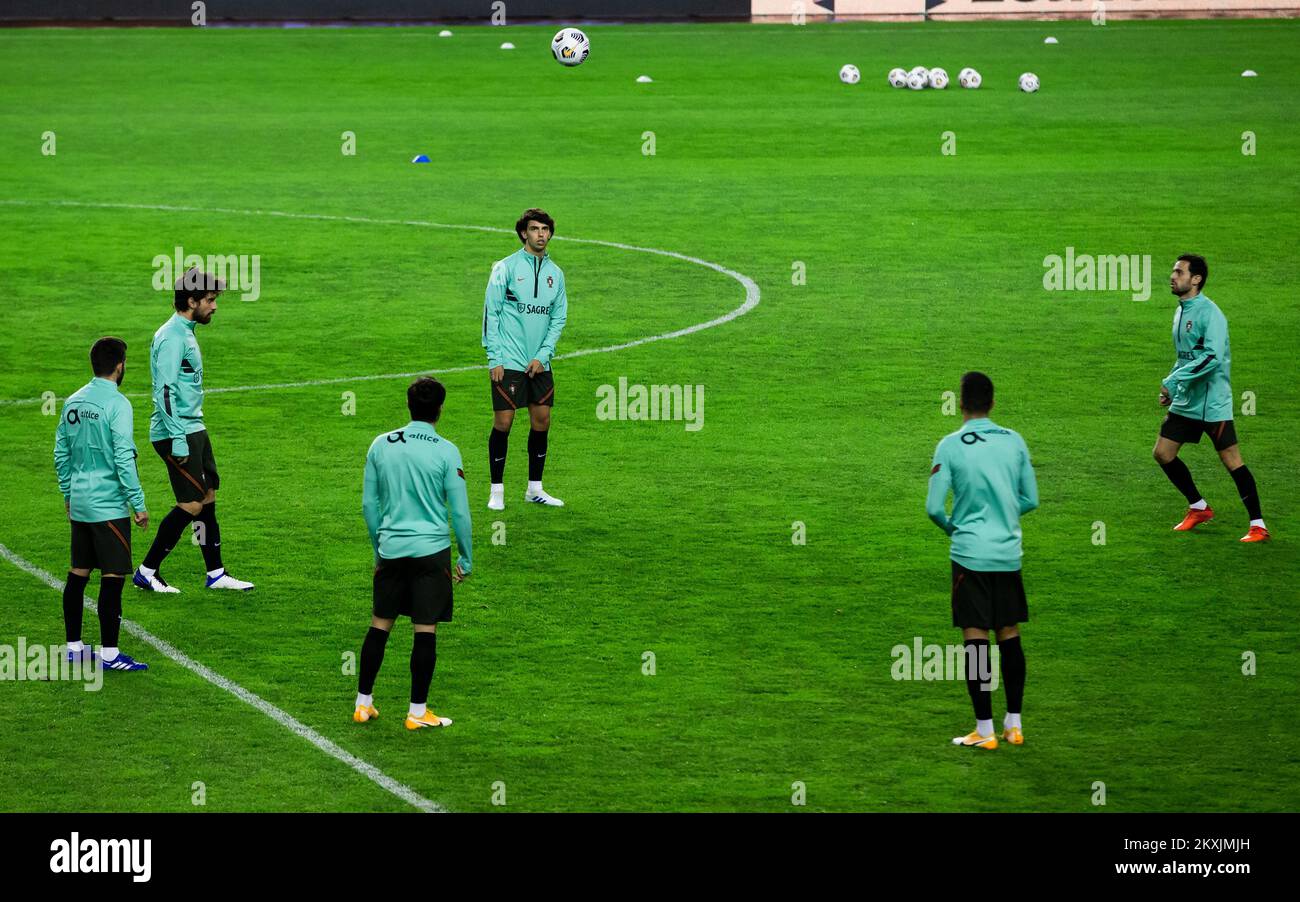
[[535, 495], [224, 580]]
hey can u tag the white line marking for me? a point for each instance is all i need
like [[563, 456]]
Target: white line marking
[[752, 293], [283, 718]]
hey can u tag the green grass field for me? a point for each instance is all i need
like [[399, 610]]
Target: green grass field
[[823, 406]]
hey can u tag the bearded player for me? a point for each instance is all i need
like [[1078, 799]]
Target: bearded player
[[1198, 393], [180, 437]]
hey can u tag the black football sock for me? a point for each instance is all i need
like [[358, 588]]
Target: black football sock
[[1245, 481], [169, 533], [74, 590], [536, 454], [979, 677], [110, 609], [424, 655], [210, 539], [372, 657], [498, 441], [1013, 672], [1181, 477]]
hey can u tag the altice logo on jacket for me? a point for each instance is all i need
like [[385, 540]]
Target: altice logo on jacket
[[240, 272]]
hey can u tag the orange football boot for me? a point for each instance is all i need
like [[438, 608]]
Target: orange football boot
[[1256, 534], [428, 719], [975, 740], [1195, 518]]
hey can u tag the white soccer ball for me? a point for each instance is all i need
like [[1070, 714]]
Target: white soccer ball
[[849, 74], [969, 78], [570, 47], [898, 77], [938, 78], [1029, 82], [921, 71], [915, 80]]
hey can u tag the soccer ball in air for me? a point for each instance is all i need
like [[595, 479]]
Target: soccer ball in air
[[570, 47], [938, 78], [1029, 82], [850, 75], [898, 77], [969, 78], [916, 80]]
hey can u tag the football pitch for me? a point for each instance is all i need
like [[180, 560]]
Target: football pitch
[[710, 624]]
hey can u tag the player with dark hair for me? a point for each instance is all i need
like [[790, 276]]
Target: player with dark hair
[[413, 486], [180, 438], [524, 311], [94, 457], [1198, 393], [987, 469]]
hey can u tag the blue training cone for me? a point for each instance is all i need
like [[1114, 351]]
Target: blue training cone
[[422, 158]]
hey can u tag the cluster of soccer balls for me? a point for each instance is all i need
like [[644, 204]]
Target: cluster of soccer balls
[[920, 78]]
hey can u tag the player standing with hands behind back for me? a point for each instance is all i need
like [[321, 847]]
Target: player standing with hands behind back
[[524, 311]]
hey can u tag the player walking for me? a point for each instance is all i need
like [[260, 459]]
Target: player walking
[[1198, 393], [523, 315], [413, 483], [180, 438], [94, 457], [988, 471]]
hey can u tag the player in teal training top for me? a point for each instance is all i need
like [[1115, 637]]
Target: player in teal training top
[[94, 458], [1198, 393], [180, 438], [414, 486], [987, 469], [524, 311]]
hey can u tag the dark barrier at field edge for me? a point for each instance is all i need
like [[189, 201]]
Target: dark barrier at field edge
[[776, 11], [1083, 9], [169, 11], [178, 12]]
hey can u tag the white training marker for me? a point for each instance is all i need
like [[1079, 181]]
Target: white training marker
[[643, 79], [1049, 40], [444, 33], [507, 46], [1249, 73]]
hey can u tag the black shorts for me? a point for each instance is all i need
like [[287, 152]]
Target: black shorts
[[104, 546], [191, 480], [516, 389], [1178, 428], [417, 587], [987, 599]]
